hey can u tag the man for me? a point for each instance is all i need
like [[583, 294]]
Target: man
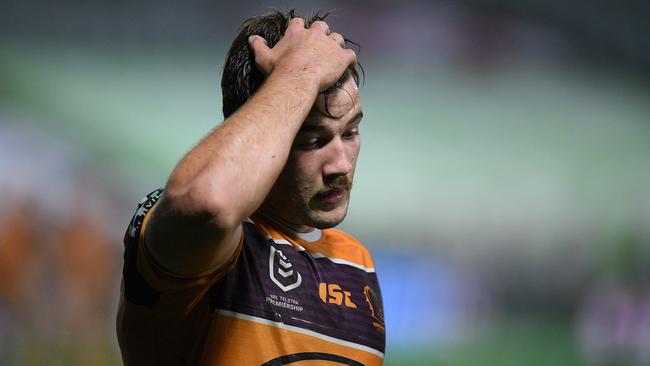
[[234, 262]]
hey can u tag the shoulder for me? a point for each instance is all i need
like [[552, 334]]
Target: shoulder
[[348, 240], [344, 246]]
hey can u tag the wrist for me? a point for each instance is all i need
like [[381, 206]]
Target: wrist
[[297, 78]]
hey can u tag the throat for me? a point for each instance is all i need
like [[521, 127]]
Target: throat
[[303, 232]]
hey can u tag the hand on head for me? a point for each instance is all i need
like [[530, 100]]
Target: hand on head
[[314, 53]]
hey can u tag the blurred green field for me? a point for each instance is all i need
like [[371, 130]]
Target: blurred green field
[[532, 342], [514, 165]]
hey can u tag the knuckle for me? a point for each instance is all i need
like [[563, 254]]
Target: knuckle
[[351, 54], [295, 25], [321, 24], [254, 41], [296, 21]]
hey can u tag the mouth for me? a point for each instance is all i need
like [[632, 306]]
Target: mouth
[[331, 197]]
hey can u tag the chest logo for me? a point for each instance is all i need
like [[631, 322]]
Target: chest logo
[[282, 272], [333, 294]]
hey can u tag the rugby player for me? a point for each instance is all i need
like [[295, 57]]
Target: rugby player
[[235, 261]]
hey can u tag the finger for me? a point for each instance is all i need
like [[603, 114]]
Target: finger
[[296, 22], [258, 45], [351, 56], [261, 52], [319, 24], [338, 38]]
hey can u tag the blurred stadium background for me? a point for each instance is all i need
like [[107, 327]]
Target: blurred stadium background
[[504, 182]]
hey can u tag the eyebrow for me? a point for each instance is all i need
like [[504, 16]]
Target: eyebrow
[[319, 127]]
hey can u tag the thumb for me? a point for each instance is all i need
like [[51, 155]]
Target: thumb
[[262, 53]]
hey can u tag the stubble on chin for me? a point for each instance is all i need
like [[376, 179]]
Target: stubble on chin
[[329, 219], [328, 224]]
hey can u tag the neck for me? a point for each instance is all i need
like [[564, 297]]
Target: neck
[[280, 223]]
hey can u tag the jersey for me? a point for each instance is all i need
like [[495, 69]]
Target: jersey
[[282, 298]]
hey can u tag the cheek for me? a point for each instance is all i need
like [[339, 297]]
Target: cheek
[[305, 163], [354, 151], [304, 171]]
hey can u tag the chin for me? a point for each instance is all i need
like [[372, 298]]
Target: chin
[[326, 224], [328, 220]]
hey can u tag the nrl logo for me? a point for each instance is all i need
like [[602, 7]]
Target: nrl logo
[[280, 266]]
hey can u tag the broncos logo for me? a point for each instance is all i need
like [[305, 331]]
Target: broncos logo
[[376, 310]]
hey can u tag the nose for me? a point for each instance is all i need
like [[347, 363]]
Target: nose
[[339, 159]]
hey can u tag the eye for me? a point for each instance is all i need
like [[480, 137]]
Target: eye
[[351, 133], [309, 142]]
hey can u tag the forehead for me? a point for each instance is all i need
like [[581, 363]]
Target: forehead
[[340, 104]]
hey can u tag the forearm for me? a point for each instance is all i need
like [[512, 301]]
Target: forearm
[[230, 172]]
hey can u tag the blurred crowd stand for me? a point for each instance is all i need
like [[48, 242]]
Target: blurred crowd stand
[[59, 254], [613, 322]]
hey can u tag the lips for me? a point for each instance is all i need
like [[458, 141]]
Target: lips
[[331, 197]]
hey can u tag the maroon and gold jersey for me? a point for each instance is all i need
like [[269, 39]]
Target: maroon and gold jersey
[[283, 298]]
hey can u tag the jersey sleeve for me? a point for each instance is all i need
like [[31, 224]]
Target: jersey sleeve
[[145, 281]]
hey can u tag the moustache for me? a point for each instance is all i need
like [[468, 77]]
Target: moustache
[[338, 184]]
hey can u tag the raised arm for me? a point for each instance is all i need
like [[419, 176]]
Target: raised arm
[[196, 225]]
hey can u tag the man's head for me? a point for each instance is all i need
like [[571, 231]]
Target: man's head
[[241, 78], [313, 189]]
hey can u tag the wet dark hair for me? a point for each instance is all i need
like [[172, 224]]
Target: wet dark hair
[[241, 78]]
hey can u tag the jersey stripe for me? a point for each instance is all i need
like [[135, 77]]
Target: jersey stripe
[[299, 330], [343, 261], [286, 242], [279, 241], [320, 255]]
